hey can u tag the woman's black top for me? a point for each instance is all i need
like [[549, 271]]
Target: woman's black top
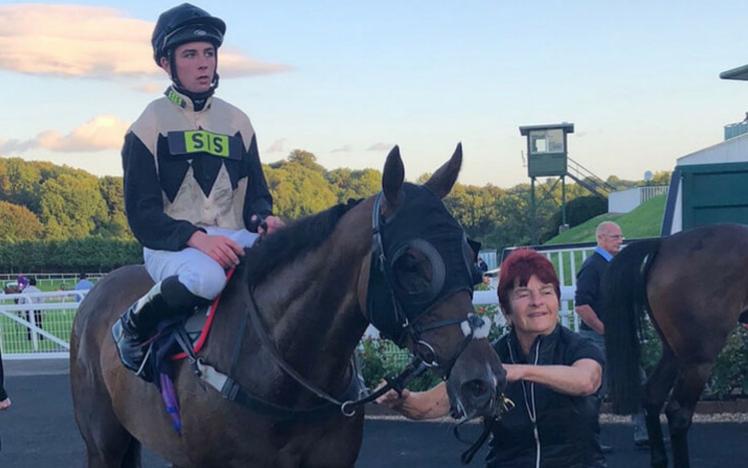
[[565, 424]]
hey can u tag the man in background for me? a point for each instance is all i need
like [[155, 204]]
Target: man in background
[[37, 314], [588, 304], [84, 284]]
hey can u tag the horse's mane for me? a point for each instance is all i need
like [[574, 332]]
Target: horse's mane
[[287, 244]]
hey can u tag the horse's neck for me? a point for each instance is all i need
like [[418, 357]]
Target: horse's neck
[[314, 308]]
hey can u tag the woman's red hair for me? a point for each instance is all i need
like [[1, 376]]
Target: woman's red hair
[[517, 269]]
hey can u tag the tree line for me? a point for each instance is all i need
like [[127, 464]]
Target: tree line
[[46, 205]]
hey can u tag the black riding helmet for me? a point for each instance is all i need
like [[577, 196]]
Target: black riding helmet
[[180, 25]]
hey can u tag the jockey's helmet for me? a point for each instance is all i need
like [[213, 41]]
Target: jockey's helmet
[[182, 24]]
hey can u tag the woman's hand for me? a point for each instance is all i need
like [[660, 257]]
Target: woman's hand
[[5, 404], [392, 399], [430, 404], [222, 249], [513, 372]]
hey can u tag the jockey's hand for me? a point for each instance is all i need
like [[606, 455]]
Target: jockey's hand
[[222, 249], [270, 225], [5, 404]]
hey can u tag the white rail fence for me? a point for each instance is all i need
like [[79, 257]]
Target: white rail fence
[[38, 325]]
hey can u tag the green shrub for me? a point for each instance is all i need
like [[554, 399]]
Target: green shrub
[[382, 359], [730, 374], [729, 378]]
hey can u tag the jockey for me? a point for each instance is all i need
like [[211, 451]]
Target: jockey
[[195, 193]]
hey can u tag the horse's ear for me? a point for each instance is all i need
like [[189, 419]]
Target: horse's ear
[[393, 177], [445, 177]]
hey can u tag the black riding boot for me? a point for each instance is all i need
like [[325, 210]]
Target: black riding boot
[[166, 300]]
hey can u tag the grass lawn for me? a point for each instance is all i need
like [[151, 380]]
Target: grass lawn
[[644, 221]]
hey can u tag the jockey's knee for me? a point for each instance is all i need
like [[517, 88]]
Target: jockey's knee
[[207, 281]]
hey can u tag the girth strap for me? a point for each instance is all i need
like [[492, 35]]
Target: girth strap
[[232, 390]]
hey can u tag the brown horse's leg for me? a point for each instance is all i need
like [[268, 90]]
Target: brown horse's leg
[[108, 444], [680, 409], [656, 391]]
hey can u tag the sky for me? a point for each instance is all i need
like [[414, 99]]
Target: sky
[[348, 80]]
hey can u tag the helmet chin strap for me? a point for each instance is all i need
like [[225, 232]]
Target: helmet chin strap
[[198, 99]]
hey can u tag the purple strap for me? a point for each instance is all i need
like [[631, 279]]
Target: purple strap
[[169, 395]]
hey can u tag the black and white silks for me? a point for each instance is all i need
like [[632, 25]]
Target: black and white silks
[[186, 170]]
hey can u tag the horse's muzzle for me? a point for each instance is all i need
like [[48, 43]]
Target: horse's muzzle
[[475, 385]]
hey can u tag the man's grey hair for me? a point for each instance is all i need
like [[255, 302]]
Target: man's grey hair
[[604, 227]]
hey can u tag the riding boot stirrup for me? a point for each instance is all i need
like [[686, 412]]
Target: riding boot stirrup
[[133, 329]]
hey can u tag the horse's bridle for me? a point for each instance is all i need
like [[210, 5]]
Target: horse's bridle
[[472, 325]]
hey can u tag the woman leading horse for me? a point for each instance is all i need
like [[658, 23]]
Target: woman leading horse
[[694, 286], [398, 260]]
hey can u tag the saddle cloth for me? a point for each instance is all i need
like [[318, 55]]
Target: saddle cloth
[[197, 326]]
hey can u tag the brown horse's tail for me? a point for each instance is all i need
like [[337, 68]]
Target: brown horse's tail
[[624, 300]]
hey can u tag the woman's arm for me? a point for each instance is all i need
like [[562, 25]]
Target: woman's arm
[[430, 404], [580, 379]]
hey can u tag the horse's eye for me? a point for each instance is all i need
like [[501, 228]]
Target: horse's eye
[[412, 272]]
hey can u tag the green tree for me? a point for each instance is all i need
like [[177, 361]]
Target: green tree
[[19, 183], [305, 159], [660, 178], [298, 190], [72, 206], [514, 224], [354, 184], [17, 223], [112, 191], [476, 209]]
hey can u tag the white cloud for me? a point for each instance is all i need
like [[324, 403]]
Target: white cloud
[[277, 147], [381, 146], [103, 132], [343, 149], [91, 42], [151, 87]]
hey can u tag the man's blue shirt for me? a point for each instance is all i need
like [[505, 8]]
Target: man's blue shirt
[[604, 253]]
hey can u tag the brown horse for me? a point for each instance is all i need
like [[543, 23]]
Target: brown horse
[[311, 284], [694, 286]]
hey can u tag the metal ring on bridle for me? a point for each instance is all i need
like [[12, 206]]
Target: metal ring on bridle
[[433, 362], [344, 408]]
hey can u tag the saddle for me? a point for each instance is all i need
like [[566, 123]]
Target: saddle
[[175, 340]]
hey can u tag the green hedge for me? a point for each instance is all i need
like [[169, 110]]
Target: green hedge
[[87, 254]]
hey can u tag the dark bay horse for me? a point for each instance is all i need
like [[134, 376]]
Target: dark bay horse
[[694, 286], [311, 284]]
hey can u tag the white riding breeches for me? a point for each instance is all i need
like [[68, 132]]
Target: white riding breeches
[[199, 273]]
